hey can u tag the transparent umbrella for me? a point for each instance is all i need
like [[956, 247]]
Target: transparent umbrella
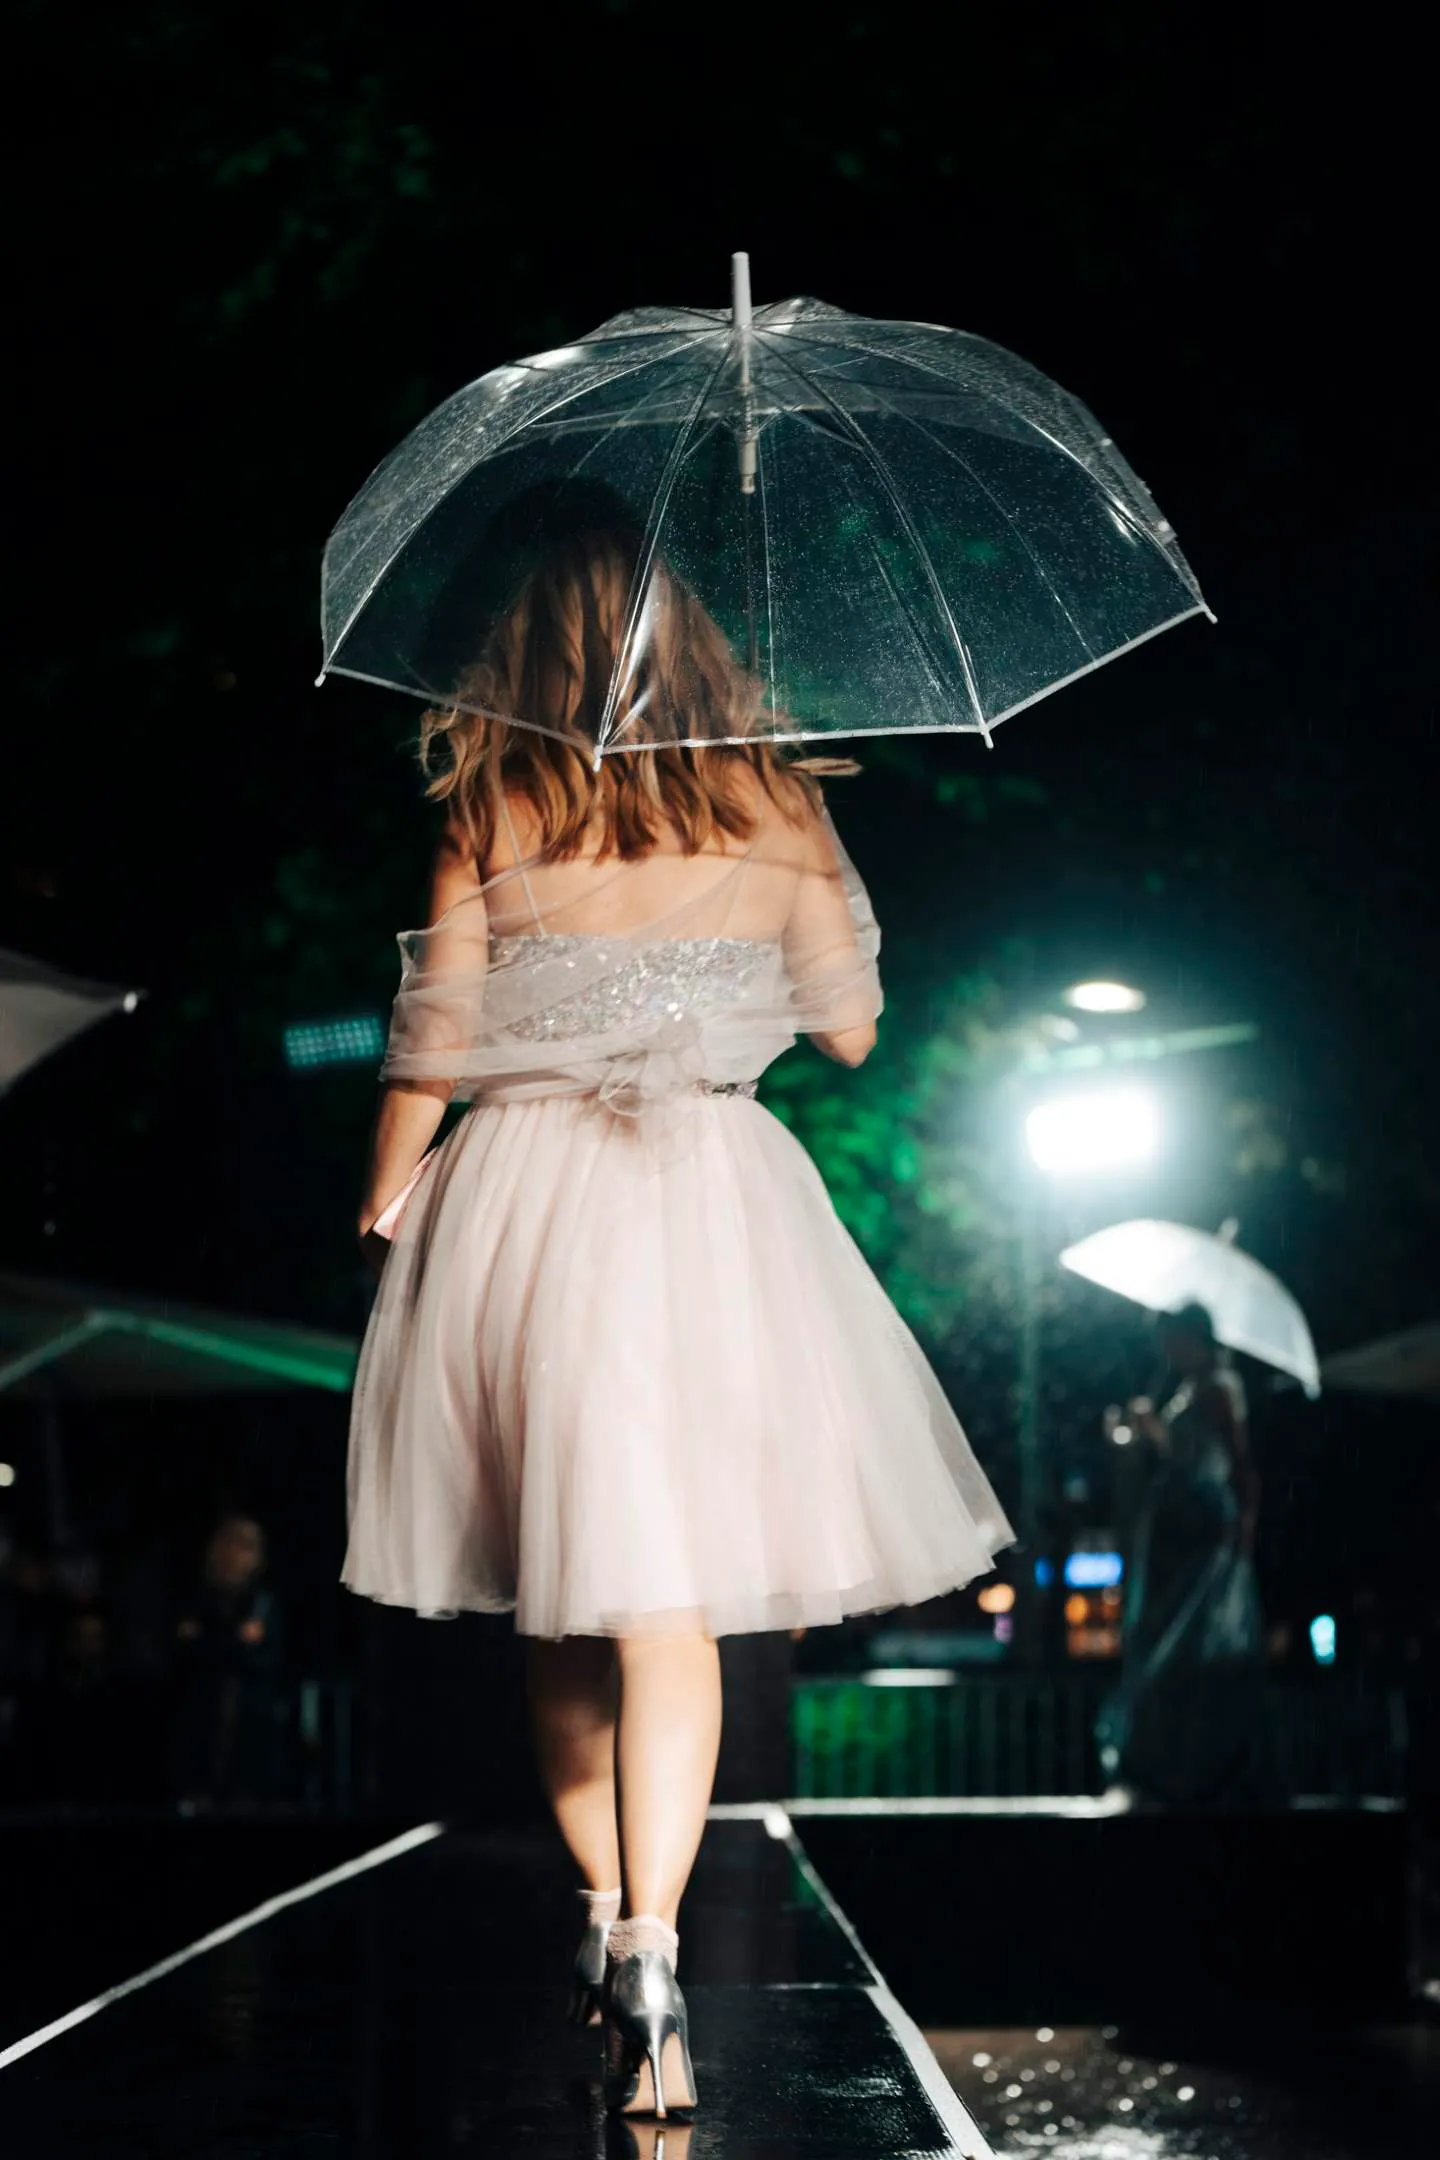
[[899, 527], [1164, 1265]]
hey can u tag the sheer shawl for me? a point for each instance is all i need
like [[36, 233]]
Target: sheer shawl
[[635, 981]]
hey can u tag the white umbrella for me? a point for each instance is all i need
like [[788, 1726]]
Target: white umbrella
[[40, 1009], [1165, 1265]]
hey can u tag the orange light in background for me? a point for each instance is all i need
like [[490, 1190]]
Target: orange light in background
[[1077, 1610], [1096, 1642], [997, 1597]]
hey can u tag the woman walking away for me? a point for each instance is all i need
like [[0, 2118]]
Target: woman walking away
[[626, 1374]]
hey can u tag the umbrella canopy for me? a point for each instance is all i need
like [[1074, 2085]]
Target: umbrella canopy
[[1164, 1265], [70, 1340], [899, 527], [1398, 1365], [40, 1009]]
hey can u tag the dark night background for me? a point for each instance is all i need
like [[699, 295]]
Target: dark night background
[[254, 244]]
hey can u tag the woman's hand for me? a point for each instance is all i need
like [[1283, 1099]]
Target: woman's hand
[[1140, 1412]]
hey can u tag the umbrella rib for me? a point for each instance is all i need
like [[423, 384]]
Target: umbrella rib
[[956, 457], [531, 420], [1117, 503], [935, 727], [659, 504], [876, 463]]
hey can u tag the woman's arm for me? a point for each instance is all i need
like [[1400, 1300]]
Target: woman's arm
[[836, 994], [411, 1110], [1146, 1420]]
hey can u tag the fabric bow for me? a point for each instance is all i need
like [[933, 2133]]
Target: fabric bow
[[669, 1065]]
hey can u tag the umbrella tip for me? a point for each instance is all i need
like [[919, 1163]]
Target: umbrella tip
[[740, 291], [320, 680]]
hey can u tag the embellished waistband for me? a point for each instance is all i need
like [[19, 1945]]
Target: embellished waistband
[[617, 1090]]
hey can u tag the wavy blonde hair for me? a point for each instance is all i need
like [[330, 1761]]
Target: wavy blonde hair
[[528, 712]]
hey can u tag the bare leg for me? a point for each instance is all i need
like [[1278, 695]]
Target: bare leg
[[669, 1737], [573, 1697]]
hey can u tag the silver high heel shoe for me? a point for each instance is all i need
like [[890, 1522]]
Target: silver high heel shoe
[[647, 2039], [587, 1982]]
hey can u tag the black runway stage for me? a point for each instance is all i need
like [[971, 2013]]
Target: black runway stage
[[415, 2008], [332, 1992]]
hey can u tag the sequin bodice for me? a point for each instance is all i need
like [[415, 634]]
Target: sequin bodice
[[659, 982]]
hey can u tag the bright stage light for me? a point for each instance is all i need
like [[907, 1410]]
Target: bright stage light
[[1107, 1129], [1105, 997]]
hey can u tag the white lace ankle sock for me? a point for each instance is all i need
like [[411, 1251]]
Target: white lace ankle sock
[[600, 1906], [643, 1931]]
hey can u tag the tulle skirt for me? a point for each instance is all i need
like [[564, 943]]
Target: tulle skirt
[[621, 1387]]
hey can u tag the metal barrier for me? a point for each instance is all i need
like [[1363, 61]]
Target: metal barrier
[[1013, 1736], [1000, 1736]]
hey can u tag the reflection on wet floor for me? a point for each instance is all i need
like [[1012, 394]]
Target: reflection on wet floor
[[1093, 2094], [415, 2011]]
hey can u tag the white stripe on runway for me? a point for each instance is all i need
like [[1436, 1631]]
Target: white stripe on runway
[[376, 1857], [968, 2141]]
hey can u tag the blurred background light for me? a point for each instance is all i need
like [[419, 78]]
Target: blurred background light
[[1099, 1129], [7, 1473], [909, 1676], [358, 1041], [1093, 1570], [997, 1597], [1105, 997], [1322, 1638]]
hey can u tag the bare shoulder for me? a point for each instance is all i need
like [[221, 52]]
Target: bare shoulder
[[518, 818], [455, 875]]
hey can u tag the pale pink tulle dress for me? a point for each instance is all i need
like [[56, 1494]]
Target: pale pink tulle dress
[[626, 1370]]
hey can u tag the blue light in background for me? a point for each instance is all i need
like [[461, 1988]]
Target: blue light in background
[[1322, 1638], [1044, 1574], [1094, 1570], [360, 1041]]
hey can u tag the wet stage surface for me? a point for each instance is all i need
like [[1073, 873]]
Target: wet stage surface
[[415, 2009], [1255, 2091]]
